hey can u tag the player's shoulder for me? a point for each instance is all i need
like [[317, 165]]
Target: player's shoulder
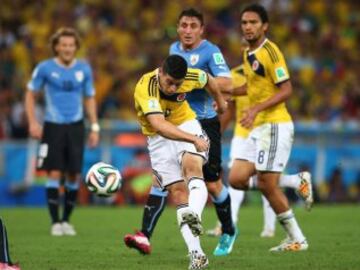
[[83, 63], [194, 72], [272, 51], [175, 46], [270, 44], [209, 45], [147, 81], [196, 75]]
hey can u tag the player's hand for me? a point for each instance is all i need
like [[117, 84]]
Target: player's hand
[[248, 118], [93, 139], [35, 130], [201, 144]]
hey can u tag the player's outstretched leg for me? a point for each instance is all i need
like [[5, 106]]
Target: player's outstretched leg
[[153, 209], [304, 189]]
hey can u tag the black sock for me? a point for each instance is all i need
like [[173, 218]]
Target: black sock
[[152, 211], [4, 245], [69, 203], [223, 211], [52, 195]]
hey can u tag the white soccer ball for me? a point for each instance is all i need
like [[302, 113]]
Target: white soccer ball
[[103, 179]]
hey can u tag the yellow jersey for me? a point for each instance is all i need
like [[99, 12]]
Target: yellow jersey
[[149, 99], [241, 102], [264, 69]]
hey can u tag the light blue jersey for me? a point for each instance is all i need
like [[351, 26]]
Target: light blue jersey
[[64, 89], [209, 58]]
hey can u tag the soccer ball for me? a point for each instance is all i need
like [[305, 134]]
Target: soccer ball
[[103, 179]]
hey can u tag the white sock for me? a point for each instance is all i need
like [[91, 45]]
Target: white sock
[[269, 215], [290, 225], [237, 197], [192, 242], [289, 181], [198, 195]]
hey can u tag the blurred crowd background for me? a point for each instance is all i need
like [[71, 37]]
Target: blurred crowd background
[[124, 39]]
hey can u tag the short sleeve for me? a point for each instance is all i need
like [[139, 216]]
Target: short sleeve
[[277, 67], [217, 64], [38, 78], [144, 99], [195, 79]]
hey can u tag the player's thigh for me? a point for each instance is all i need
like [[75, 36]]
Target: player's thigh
[[212, 169], [193, 127], [51, 153], [164, 160], [273, 146], [75, 148], [240, 172]]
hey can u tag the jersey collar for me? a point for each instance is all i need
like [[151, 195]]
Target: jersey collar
[[258, 48], [62, 65], [189, 50]]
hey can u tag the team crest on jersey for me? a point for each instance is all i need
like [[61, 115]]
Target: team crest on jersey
[[181, 97], [79, 75], [194, 58], [255, 65]]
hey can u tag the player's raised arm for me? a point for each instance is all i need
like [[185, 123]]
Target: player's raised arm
[[214, 89], [225, 85]]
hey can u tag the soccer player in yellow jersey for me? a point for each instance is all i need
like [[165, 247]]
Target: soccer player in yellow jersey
[[269, 142], [177, 145], [237, 154]]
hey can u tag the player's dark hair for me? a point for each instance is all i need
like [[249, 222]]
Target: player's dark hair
[[259, 9], [191, 12], [175, 66], [64, 32]]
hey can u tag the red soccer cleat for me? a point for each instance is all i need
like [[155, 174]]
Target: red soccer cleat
[[5, 266], [138, 241]]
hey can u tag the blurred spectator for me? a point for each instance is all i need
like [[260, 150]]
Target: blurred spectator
[[123, 38]]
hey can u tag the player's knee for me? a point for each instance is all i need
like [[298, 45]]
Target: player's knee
[[212, 172], [239, 181], [192, 170], [214, 188]]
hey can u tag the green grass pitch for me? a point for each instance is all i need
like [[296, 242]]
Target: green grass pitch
[[333, 233]]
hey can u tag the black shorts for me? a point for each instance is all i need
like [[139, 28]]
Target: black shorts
[[212, 169], [62, 147]]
